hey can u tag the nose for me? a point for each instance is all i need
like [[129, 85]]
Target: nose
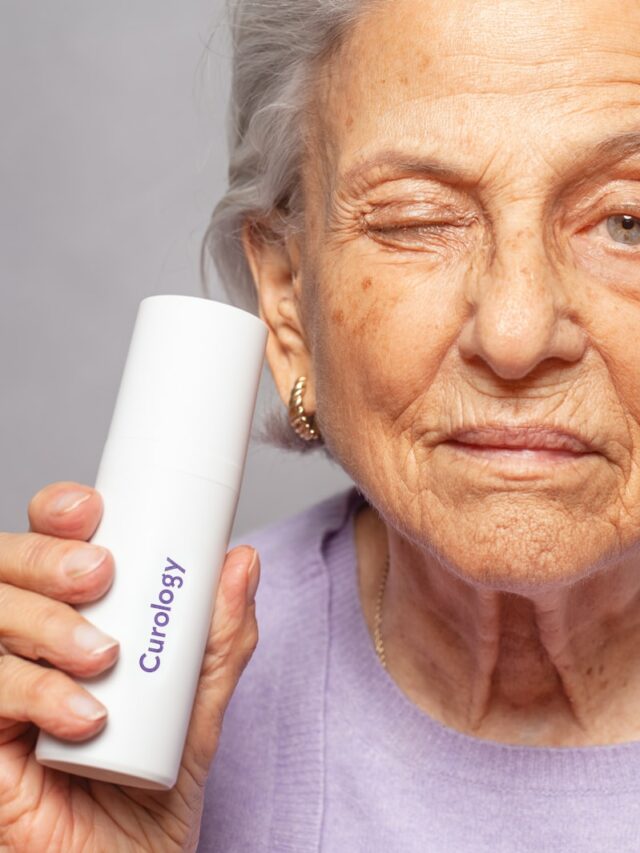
[[520, 314]]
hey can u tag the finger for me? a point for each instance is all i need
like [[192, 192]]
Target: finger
[[232, 640], [37, 627], [47, 697], [232, 609], [66, 509], [58, 568]]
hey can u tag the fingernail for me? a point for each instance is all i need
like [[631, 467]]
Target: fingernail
[[68, 501], [83, 560], [85, 707], [254, 577], [90, 639]]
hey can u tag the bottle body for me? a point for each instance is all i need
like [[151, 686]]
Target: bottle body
[[168, 530]]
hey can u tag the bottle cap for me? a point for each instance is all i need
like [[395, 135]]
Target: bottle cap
[[189, 386]]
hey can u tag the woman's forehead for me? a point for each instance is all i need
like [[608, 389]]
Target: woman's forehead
[[477, 78], [468, 46]]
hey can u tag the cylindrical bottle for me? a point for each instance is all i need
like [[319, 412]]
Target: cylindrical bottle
[[169, 477]]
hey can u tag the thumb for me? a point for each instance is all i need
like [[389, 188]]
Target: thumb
[[232, 639]]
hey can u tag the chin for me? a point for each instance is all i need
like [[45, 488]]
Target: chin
[[516, 546]]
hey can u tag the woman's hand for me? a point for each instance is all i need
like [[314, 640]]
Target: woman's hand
[[43, 809]]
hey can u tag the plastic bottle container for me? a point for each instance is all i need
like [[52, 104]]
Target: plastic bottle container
[[169, 477]]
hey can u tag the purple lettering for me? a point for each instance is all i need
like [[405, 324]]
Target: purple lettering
[[149, 668], [150, 660]]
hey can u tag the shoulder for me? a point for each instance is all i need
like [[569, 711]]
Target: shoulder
[[289, 543], [294, 578], [274, 716]]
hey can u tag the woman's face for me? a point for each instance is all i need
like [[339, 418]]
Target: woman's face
[[466, 261]]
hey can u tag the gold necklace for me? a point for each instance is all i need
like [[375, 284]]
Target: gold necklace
[[378, 617]]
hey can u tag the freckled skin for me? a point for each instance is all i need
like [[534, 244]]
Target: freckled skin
[[505, 595]]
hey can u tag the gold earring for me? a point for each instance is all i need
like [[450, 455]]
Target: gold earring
[[303, 424]]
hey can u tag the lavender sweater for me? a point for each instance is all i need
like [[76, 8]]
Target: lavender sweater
[[321, 751]]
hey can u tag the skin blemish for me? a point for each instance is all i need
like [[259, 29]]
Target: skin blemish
[[404, 80], [371, 321], [365, 283], [338, 317], [349, 122]]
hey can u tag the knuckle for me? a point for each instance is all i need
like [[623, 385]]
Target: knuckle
[[48, 617], [254, 633], [43, 685], [249, 641], [11, 547], [5, 596], [34, 552]]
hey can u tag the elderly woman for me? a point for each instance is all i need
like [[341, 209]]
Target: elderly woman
[[435, 207]]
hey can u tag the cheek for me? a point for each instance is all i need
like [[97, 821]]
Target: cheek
[[383, 339], [612, 322]]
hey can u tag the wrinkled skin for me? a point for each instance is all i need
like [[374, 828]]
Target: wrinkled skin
[[417, 302]]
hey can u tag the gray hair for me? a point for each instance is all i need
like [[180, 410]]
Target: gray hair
[[276, 47]]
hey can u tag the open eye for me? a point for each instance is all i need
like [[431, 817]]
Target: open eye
[[624, 228]]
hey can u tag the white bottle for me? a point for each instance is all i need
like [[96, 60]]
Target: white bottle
[[169, 478]]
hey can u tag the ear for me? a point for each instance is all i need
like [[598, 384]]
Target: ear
[[275, 266]]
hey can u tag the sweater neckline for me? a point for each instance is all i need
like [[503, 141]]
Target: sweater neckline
[[384, 712]]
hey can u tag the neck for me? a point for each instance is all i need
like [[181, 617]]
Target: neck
[[558, 668]]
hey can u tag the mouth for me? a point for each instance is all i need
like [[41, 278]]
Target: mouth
[[521, 438], [528, 448]]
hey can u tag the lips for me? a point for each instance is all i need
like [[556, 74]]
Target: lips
[[530, 437]]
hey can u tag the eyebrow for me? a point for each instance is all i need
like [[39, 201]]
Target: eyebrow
[[607, 152]]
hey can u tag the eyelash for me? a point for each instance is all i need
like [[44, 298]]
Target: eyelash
[[435, 228], [429, 227], [432, 229]]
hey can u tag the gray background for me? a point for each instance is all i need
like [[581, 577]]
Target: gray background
[[112, 155]]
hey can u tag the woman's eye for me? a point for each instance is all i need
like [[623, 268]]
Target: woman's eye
[[411, 231], [402, 230], [624, 228]]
